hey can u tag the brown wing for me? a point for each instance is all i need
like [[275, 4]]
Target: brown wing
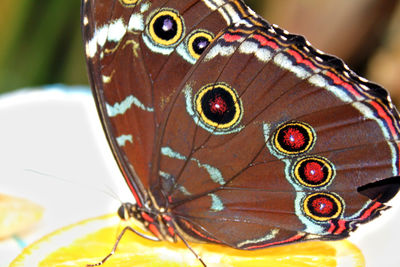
[[138, 52], [270, 142]]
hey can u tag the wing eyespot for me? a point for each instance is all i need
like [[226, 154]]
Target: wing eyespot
[[323, 207], [166, 27], [293, 138], [129, 3], [218, 106], [198, 41], [314, 172]]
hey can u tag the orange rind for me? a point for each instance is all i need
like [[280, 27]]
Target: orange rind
[[89, 241]]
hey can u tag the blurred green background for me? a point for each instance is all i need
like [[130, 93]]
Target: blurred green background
[[40, 44], [41, 40]]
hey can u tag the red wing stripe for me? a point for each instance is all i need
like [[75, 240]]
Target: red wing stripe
[[331, 228], [200, 234], [384, 115], [342, 227], [231, 38], [300, 59], [369, 211], [292, 239], [264, 42], [132, 188], [336, 80]]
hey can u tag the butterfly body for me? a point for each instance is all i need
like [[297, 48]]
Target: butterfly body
[[230, 130]]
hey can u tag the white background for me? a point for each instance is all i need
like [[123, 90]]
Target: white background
[[54, 153]]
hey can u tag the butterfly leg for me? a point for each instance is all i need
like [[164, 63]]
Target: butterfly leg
[[117, 242], [191, 249]]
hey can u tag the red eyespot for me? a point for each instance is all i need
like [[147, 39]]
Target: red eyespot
[[218, 105], [323, 206], [294, 138], [314, 172]]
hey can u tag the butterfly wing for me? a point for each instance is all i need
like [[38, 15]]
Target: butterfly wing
[[259, 141], [109, 48], [137, 54], [270, 142]]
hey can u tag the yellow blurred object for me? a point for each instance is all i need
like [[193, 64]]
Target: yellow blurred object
[[89, 241], [17, 215]]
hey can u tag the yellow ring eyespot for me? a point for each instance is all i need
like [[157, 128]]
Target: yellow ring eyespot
[[314, 172], [129, 3], [198, 41], [166, 27], [218, 106], [323, 206], [294, 138]]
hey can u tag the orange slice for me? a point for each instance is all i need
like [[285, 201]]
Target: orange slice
[[89, 241], [17, 215]]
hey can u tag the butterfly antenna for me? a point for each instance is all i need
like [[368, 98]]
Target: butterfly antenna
[[109, 192]]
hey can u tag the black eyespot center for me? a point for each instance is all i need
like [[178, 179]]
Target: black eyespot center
[[200, 44], [218, 105], [166, 27]]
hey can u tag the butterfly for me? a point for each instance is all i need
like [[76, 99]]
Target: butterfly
[[233, 131]]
